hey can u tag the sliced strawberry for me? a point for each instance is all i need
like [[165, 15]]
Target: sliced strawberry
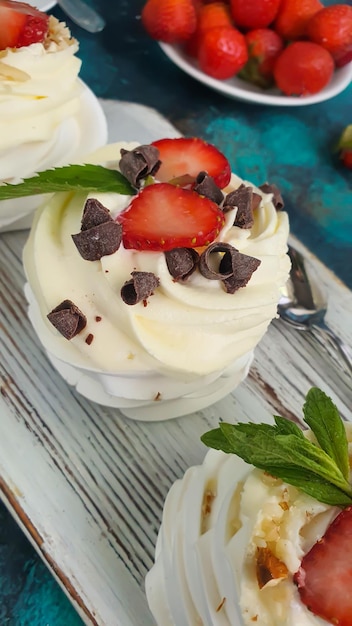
[[21, 24], [164, 216], [324, 579], [186, 157]]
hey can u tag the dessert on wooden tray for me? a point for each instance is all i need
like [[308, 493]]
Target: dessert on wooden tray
[[150, 289]]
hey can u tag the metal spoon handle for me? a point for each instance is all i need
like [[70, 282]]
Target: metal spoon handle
[[83, 15], [342, 348]]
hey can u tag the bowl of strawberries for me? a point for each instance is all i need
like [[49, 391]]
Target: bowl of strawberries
[[276, 52]]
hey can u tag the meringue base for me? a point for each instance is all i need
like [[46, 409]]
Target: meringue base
[[147, 395], [105, 389]]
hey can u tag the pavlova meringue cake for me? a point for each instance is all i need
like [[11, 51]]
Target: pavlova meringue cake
[[167, 287], [239, 547], [48, 117]]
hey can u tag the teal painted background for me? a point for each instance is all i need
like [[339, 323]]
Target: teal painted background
[[289, 146]]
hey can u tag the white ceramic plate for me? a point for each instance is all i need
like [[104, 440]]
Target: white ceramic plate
[[42, 5], [241, 90]]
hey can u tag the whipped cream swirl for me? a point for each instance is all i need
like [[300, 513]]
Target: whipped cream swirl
[[186, 329]]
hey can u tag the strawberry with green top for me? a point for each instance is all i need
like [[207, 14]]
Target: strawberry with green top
[[163, 216], [21, 25], [344, 147], [264, 47]]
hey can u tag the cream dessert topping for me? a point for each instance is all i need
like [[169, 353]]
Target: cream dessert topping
[[39, 92], [231, 543], [185, 328]]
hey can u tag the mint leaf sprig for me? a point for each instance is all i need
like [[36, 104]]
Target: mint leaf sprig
[[319, 469], [90, 178]]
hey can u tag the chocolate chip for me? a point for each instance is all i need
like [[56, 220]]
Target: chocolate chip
[[181, 262], [277, 197], [242, 198], [234, 270], [139, 288], [99, 240], [98, 318], [89, 339], [94, 213], [243, 267], [207, 261], [67, 319], [139, 163], [206, 186]]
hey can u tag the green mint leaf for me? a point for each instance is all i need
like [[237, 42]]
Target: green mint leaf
[[286, 427], [217, 440], [312, 485], [322, 416], [283, 451], [88, 178], [263, 447]]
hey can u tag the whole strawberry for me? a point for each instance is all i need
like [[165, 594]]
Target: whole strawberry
[[332, 28], [209, 15], [169, 20], [222, 52], [344, 147], [250, 14], [293, 17], [303, 68], [264, 46]]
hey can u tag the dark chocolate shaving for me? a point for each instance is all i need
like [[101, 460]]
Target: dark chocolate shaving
[[242, 198], [139, 163], [206, 186], [277, 197], [99, 240], [207, 262], [67, 319], [256, 200], [181, 262], [94, 214], [139, 288], [243, 267], [234, 270]]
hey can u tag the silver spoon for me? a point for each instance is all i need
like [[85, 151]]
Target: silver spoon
[[83, 15], [303, 305]]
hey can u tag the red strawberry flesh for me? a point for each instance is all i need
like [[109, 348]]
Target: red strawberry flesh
[[324, 579], [21, 25], [163, 217], [188, 156]]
